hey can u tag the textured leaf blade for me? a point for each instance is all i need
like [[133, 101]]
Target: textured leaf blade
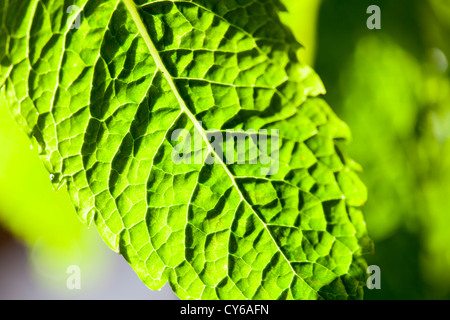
[[104, 101]]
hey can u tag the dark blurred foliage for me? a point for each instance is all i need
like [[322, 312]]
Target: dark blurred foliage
[[392, 87]]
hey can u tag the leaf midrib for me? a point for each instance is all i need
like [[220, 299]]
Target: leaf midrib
[[132, 9]]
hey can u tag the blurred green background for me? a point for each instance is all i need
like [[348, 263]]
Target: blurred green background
[[391, 86]]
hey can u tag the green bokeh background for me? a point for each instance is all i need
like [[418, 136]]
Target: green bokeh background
[[391, 86]]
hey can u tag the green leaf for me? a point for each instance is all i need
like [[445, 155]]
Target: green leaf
[[104, 102]]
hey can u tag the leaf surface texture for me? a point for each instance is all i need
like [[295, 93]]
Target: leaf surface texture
[[104, 100]]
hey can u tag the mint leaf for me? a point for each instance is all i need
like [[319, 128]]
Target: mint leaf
[[110, 91]]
